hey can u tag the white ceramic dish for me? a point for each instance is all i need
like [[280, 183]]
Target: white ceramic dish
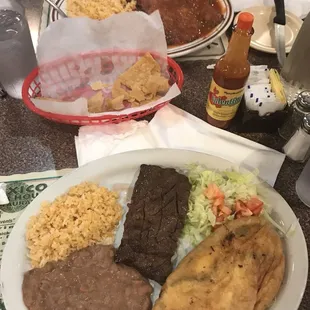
[[263, 38], [184, 49], [123, 168]]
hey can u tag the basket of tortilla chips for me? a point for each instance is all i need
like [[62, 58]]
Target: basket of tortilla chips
[[133, 91]]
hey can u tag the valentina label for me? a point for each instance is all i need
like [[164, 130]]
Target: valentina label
[[223, 103], [219, 101]]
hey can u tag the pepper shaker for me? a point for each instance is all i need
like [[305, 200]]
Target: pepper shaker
[[297, 110], [298, 147]]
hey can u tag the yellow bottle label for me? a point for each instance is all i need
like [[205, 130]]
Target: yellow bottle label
[[222, 103]]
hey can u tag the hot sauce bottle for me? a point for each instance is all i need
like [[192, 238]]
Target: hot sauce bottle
[[230, 75]]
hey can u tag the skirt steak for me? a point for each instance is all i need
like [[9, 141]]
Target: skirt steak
[[154, 221]]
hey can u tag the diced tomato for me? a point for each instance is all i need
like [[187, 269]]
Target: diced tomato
[[208, 192], [220, 219], [246, 212], [242, 210], [225, 210], [258, 210], [213, 192], [218, 202], [238, 215], [254, 203], [240, 206]]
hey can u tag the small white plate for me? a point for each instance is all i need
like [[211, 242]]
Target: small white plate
[[263, 38]]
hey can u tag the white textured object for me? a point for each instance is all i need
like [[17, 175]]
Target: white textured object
[[258, 94], [99, 141], [258, 75], [174, 128]]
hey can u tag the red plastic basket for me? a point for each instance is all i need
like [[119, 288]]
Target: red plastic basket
[[31, 89]]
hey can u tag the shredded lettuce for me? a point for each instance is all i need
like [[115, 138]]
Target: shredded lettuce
[[200, 218]]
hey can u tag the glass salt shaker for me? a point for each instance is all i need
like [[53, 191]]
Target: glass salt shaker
[[298, 147], [17, 55], [298, 109]]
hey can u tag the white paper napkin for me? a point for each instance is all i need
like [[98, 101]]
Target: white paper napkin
[[174, 128], [3, 197], [299, 7]]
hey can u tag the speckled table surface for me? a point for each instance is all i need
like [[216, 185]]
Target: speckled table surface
[[30, 143]]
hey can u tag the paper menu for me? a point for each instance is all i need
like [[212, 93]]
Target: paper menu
[[21, 189]]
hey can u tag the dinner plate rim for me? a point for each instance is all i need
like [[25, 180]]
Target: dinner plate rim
[[187, 48], [164, 157], [269, 49]]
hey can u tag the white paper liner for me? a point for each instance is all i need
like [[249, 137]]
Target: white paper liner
[[79, 107], [74, 53]]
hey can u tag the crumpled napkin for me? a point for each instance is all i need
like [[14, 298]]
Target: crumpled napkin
[[299, 7], [174, 128], [94, 142]]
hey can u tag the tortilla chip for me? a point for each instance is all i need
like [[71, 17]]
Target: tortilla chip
[[118, 90], [137, 74], [141, 82], [116, 103], [135, 104], [95, 103], [137, 94], [150, 100], [51, 99], [97, 85], [157, 84]]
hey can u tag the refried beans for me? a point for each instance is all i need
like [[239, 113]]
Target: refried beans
[[88, 279]]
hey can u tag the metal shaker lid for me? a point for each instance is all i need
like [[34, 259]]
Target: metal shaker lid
[[303, 100], [306, 123]]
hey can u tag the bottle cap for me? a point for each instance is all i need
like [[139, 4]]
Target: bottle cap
[[303, 100], [245, 21]]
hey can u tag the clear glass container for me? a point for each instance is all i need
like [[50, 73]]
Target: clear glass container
[[17, 55]]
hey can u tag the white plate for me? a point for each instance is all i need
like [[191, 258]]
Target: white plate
[[123, 168], [184, 49], [263, 38]]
